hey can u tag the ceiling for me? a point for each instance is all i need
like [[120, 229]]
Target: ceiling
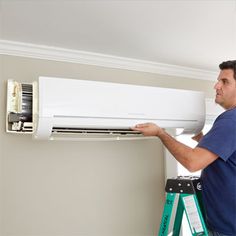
[[196, 34]]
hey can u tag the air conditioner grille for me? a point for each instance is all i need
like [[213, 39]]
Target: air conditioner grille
[[96, 131]]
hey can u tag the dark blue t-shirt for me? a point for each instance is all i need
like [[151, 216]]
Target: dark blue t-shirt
[[219, 178]]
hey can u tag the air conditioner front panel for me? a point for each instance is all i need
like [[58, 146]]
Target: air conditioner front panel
[[79, 98]]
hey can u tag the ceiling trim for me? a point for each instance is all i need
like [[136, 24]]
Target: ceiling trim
[[14, 48]]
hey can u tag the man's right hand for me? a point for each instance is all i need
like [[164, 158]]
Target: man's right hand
[[148, 129]]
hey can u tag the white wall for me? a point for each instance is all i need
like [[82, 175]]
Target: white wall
[[80, 188]]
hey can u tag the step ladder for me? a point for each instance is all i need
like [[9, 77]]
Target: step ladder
[[189, 190]]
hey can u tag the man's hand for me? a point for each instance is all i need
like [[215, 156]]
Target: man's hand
[[198, 137], [148, 129]]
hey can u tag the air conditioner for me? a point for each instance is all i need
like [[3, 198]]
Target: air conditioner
[[59, 108]]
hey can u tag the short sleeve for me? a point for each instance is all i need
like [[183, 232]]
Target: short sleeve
[[221, 139]]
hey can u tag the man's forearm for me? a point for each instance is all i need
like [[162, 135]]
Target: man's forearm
[[192, 158], [180, 151]]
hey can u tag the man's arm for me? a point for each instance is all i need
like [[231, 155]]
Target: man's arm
[[193, 159]]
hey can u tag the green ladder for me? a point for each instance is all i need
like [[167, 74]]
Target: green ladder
[[189, 190]]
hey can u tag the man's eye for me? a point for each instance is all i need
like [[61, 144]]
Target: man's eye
[[224, 81]]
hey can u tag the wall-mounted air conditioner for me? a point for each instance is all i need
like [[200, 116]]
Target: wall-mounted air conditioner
[[59, 108]]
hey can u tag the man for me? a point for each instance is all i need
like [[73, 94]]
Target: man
[[215, 154]]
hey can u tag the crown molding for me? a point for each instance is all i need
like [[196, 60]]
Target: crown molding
[[14, 48]]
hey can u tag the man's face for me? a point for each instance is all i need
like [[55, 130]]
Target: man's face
[[226, 89]]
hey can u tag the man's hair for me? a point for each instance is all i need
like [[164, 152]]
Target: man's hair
[[229, 65]]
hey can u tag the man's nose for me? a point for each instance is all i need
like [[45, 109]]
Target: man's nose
[[217, 85]]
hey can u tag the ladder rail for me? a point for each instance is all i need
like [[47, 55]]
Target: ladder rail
[[167, 212]]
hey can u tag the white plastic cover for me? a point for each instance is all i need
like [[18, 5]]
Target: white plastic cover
[[71, 103]]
